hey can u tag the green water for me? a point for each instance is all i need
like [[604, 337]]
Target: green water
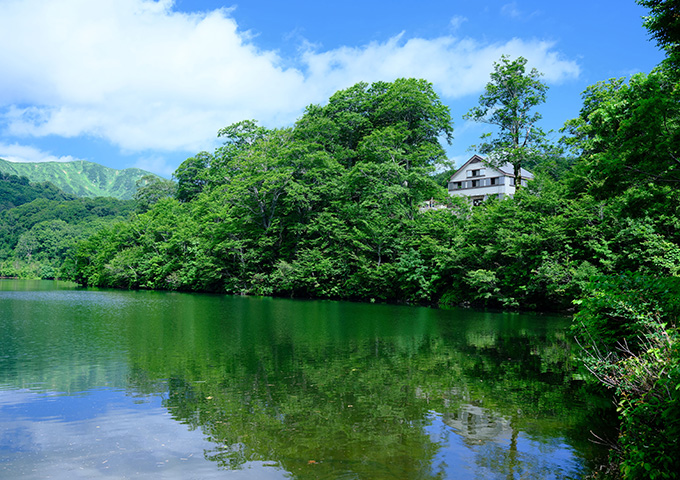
[[113, 384]]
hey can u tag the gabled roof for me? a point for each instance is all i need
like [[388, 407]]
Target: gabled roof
[[506, 169]]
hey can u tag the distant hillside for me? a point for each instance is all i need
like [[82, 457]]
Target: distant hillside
[[15, 191], [84, 179]]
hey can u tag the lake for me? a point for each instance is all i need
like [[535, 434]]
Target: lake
[[137, 384]]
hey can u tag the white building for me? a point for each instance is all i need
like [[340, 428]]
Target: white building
[[478, 181]]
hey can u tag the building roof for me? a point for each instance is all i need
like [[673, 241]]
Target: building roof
[[506, 169]]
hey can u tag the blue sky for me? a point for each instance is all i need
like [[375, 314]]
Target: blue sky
[[142, 83]]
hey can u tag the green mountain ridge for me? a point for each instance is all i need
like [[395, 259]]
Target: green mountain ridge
[[80, 178]]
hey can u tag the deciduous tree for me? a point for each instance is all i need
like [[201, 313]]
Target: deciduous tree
[[508, 103], [663, 23], [150, 189], [192, 176], [627, 134]]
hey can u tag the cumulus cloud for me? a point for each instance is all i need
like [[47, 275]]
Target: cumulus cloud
[[145, 77], [134, 72], [24, 153], [456, 67]]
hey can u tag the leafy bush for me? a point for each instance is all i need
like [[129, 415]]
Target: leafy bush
[[623, 308], [627, 326]]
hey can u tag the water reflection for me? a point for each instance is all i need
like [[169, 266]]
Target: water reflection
[[258, 387], [102, 433]]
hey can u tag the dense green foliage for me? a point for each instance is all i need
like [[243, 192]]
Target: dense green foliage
[[326, 209], [151, 189], [330, 208], [80, 178], [15, 191], [627, 325], [627, 137], [663, 24], [38, 238]]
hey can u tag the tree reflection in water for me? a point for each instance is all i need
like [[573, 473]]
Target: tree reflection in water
[[362, 396]]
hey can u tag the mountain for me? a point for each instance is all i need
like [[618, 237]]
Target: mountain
[[81, 178]]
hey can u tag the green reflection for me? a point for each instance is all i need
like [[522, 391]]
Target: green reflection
[[320, 389], [326, 389]]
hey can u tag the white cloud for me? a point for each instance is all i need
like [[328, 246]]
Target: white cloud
[[456, 67], [510, 10], [135, 73], [457, 21], [156, 164], [145, 77], [23, 153]]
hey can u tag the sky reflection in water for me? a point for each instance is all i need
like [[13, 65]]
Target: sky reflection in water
[[102, 433]]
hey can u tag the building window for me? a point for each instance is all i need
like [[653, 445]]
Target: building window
[[476, 173], [493, 181], [475, 183]]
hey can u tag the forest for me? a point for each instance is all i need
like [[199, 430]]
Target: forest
[[40, 226], [332, 207]]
